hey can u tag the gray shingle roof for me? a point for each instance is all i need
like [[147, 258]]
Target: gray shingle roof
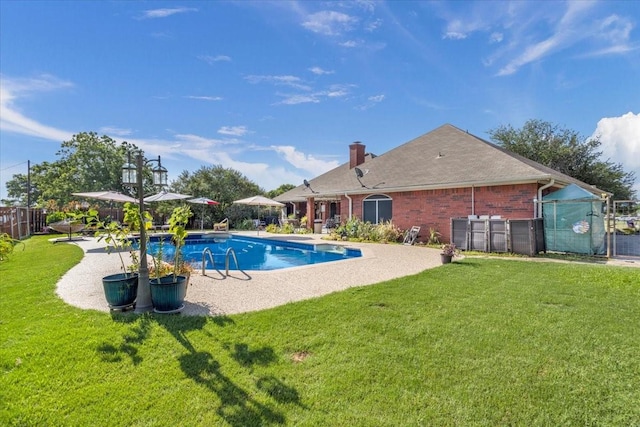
[[446, 157]]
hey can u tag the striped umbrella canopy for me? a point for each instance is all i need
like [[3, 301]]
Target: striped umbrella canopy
[[203, 201]]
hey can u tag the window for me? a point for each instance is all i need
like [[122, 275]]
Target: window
[[376, 208]]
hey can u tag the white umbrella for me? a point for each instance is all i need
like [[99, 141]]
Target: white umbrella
[[108, 195], [111, 196], [258, 201], [203, 201], [164, 196]]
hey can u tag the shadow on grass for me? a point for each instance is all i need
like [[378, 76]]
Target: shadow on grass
[[238, 406], [130, 341]]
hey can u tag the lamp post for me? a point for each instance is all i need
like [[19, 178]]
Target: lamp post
[[132, 175]]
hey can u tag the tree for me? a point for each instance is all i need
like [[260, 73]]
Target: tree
[[280, 190], [567, 152], [88, 162], [220, 184]]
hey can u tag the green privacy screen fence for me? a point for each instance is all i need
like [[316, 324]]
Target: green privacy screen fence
[[574, 221]]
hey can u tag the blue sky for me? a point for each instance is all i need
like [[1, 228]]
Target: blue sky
[[278, 90]]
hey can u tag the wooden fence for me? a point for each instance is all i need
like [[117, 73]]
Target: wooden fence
[[20, 222]]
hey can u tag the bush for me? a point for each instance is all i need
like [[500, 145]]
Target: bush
[[284, 229], [357, 230], [7, 243], [55, 217], [387, 232]]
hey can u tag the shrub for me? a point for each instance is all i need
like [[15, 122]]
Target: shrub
[[7, 243], [357, 230], [55, 217], [387, 231]]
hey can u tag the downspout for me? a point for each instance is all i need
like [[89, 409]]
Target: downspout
[[539, 200], [350, 204], [608, 201], [473, 200]]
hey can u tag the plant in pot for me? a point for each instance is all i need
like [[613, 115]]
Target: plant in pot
[[449, 251], [120, 289], [168, 280]]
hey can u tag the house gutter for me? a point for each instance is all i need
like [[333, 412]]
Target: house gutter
[[538, 206]]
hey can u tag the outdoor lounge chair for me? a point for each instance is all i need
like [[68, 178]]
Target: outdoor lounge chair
[[222, 225]]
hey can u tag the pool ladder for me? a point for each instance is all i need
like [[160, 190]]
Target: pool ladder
[[230, 252]]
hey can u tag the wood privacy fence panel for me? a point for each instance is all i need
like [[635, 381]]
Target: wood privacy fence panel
[[15, 222]]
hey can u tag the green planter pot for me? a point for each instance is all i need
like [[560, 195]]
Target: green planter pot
[[120, 290], [167, 294]]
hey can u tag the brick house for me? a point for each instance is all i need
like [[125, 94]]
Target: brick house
[[446, 173]]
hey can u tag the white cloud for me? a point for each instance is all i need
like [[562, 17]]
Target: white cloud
[[306, 162], [163, 13], [329, 23], [496, 37], [210, 59], [373, 25], [319, 71], [204, 98], [349, 44], [298, 99], [371, 102], [233, 130], [12, 120], [291, 81], [620, 137]]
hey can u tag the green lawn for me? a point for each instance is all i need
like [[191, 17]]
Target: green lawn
[[482, 342]]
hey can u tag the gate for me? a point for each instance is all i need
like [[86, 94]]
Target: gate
[[624, 228]]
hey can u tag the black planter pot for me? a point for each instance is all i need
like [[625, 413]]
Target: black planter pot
[[168, 294], [446, 259], [120, 290]]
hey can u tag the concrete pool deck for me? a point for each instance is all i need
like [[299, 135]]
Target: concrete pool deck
[[217, 294]]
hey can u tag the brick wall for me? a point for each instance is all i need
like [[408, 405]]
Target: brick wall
[[435, 208]]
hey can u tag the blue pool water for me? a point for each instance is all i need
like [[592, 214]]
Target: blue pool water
[[252, 253]]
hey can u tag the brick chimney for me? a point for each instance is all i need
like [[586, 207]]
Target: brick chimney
[[356, 154]]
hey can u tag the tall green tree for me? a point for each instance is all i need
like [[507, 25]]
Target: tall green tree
[[280, 190], [223, 185], [87, 162], [566, 151]]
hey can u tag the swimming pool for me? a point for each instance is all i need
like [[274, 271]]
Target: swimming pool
[[252, 253]]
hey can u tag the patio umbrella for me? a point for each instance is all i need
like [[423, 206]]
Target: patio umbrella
[[108, 195], [164, 196], [203, 201], [111, 196], [258, 201]]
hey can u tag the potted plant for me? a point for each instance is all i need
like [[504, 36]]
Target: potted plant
[[449, 251], [170, 279], [120, 289]]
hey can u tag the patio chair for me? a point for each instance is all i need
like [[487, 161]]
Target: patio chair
[[222, 225]]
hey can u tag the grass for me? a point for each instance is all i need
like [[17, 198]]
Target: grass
[[484, 342]]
